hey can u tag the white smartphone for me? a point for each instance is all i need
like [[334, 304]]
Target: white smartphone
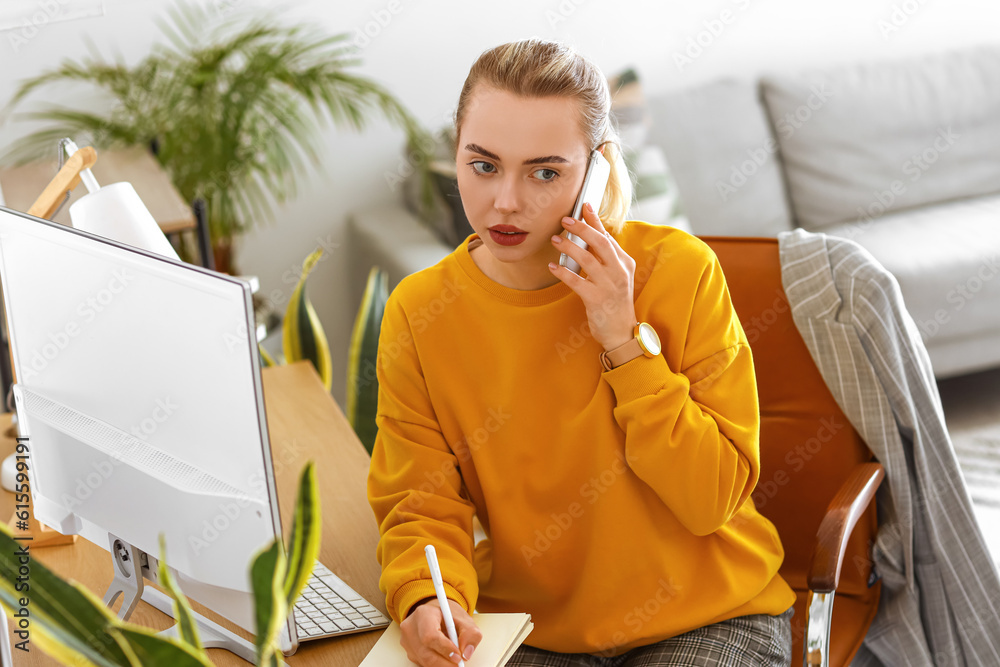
[[592, 192]]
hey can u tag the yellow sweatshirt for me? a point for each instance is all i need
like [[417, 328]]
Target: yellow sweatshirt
[[616, 504]]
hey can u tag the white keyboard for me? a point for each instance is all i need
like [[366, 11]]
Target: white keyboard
[[329, 607]]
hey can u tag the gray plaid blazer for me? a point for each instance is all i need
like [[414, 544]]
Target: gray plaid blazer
[[940, 590]]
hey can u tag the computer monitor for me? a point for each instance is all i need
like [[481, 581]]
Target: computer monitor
[[138, 379]]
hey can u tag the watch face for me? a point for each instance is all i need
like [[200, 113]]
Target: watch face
[[648, 339]]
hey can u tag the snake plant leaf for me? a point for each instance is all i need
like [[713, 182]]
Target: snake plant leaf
[[267, 576], [302, 333], [152, 649], [55, 641], [266, 357], [305, 537], [187, 628], [362, 384], [67, 621]]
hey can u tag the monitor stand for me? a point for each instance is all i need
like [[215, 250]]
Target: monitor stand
[[128, 583]]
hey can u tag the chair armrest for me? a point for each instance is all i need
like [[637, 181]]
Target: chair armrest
[[841, 516]]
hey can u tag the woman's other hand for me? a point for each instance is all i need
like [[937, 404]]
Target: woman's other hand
[[607, 288], [425, 639]]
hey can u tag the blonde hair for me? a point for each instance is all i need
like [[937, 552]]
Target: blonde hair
[[539, 68]]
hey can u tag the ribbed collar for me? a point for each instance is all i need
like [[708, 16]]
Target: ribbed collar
[[509, 295]]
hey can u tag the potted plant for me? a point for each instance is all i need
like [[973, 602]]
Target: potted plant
[[72, 625], [232, 107]]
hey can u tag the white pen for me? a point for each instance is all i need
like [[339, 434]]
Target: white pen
[[449, 622]]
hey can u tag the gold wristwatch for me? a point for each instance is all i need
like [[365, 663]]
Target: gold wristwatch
[[645, 342]]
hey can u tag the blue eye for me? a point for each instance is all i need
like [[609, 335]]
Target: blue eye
[[550, 174], [481, 167]]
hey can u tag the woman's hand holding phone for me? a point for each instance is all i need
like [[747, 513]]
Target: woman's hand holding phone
[[606, 289], [425, 639]]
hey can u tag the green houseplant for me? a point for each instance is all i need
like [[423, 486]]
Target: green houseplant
[[362, 384], [233, 106], [302, 335], [72, 625]]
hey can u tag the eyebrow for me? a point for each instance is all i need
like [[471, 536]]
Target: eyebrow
[[548, 159]]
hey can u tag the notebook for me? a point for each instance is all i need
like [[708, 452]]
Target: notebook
[[502, 634]]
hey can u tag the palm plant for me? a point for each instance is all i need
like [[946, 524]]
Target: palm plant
[[232, 107]]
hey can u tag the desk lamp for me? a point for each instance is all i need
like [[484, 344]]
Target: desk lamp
[[116, 212]]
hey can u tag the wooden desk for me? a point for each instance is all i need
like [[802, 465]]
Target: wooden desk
[[304, 423]]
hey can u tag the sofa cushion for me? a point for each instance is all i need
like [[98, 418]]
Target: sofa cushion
[[865, 139], [946, 258], [722, 153]]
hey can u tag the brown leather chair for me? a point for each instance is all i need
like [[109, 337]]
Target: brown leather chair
[[818, 478]]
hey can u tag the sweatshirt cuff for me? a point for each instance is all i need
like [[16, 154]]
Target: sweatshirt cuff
[[414, 591], [642, 376]]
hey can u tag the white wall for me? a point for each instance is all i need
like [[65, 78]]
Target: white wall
[[423, 52]]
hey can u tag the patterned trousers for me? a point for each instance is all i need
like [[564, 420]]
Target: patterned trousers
[[757, 640]]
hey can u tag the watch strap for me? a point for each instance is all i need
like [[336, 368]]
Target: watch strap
[[621, 354]]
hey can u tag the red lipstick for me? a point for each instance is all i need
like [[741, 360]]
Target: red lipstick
[[507, 235]]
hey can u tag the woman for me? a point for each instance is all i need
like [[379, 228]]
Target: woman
[[612, 479]]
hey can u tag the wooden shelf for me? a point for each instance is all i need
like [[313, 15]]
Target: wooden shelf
[[21, 186]]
